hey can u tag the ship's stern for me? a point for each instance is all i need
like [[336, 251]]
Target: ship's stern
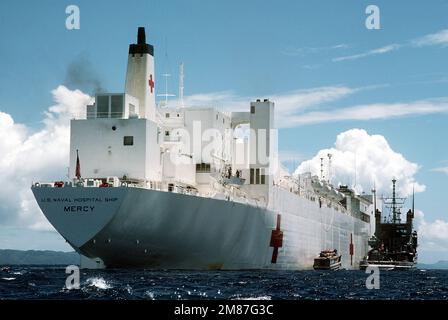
[[78, 213]]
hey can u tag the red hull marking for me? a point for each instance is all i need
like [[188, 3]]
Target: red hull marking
[[276, 240], [351, 248], [151, 82]]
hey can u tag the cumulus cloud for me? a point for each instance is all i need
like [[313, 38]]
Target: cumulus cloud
[[28, 156], [433, 236], [374, 160]]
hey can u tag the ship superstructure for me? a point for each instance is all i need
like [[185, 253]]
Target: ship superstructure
[[394, 244], [174, 187]]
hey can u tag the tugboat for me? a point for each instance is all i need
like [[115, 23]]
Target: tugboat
[[327, 260], [394, 245]]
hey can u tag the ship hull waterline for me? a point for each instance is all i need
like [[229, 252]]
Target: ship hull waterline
[[142, 228]]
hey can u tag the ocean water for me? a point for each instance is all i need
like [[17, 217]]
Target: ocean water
[[23, 282]]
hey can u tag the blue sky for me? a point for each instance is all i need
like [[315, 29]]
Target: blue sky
[[247, 49]]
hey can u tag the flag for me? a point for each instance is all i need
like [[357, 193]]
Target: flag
[[78, 166]]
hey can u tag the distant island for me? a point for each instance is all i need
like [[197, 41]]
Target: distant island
[[38, 257], [442, 264], [48, 257]]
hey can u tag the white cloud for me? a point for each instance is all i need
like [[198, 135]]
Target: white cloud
[[29, 156], [382, 50], [441, 169], [300, 100], [374, 160], [301, 107], [290, 156], [302, 51], [289, 159], [370, 112], [433, 236], [439, 38], [223, 100], [286, 104]]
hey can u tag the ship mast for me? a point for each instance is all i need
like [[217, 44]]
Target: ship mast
[[321, 169], [374, 198], [394, 202], [166, 75], [166, 94]]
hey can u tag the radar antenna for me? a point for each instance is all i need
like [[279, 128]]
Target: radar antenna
[[321, 168], [374, 197], [329, 168], [166, 75], [394, 203], [166, 94]]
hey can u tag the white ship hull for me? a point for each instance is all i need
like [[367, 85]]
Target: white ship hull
[[136, 227]]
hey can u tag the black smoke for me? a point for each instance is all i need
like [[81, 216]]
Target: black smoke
[[81, 74]]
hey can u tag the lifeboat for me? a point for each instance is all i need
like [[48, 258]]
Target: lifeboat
[[327, 260]]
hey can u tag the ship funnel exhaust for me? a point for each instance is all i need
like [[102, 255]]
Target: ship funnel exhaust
[[141, 36]]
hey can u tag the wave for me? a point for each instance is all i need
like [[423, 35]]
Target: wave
[[99, 283], [253, 298]]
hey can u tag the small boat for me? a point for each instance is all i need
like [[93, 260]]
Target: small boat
[[327, 260], [387, 265]]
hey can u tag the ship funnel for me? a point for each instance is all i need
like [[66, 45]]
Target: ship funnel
[[141, 36], [140, 77]]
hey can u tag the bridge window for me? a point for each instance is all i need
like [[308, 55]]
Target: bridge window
[[128, 140], [252, 109], [263, 179], [116, 106], [102, 107], [257, 176], [202, 167]]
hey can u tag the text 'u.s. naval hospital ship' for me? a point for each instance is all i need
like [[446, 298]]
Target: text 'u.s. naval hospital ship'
[[173, 188]]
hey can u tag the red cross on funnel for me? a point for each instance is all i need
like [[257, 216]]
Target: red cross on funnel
[[151, 82]]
